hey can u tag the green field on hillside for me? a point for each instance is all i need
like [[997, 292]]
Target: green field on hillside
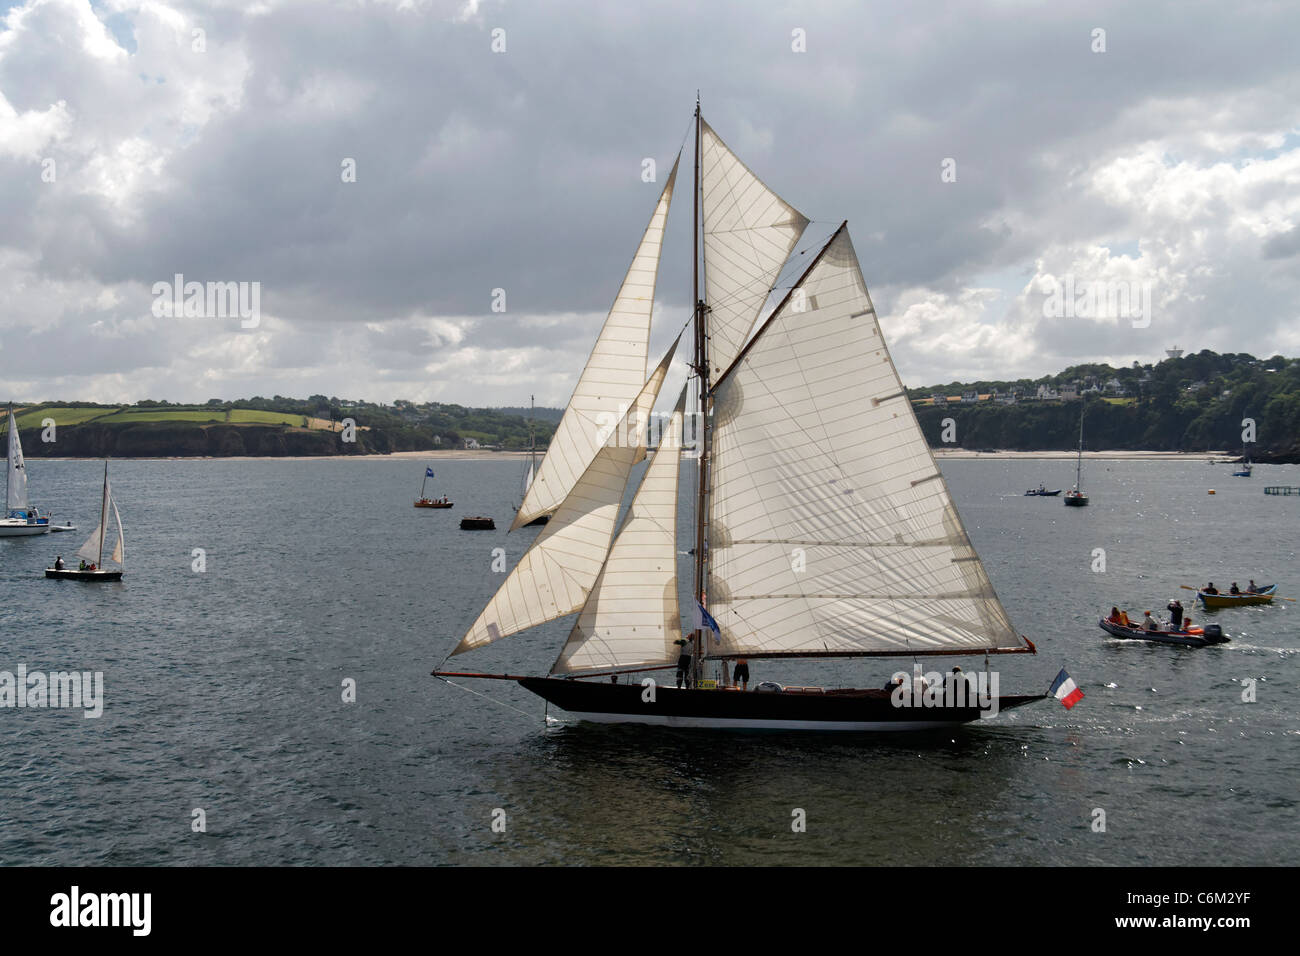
[[62, 415], [267, 418], [140, 415]]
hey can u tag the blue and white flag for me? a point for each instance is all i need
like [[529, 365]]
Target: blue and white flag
[[705, 619], [428, 472]]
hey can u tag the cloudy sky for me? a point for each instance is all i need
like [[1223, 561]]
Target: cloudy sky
[[139, 140]]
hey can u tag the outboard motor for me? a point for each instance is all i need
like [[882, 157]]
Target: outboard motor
[[1213, 634]]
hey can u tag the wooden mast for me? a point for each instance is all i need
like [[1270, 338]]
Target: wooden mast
[[702, 433]]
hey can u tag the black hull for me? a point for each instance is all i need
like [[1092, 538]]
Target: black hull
[[69, 574], [850, 710], [1079, 501]]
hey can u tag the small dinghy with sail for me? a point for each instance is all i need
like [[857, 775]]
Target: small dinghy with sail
[[527, 481], [93, 550]]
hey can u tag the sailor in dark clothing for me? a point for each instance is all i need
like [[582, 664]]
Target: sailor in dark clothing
[[683, 664], [1210, 588], [741, 674], [1234, 589], [1176, 614]]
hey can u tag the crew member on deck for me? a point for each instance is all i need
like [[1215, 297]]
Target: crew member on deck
[[683, 663], [1149, 622], [741, 673], [58, 563]]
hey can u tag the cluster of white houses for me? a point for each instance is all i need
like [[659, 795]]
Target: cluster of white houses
[[1069, 392]]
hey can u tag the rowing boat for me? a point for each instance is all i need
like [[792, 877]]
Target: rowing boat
[[1262, 596]]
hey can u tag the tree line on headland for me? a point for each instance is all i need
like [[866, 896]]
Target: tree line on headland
[[1191, 403], [270, 427]]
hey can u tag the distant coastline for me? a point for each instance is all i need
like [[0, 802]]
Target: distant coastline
[[483, 455]]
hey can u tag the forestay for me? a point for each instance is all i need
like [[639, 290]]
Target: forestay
[[831, 530]]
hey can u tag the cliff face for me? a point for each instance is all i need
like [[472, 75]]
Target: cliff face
[[167, 440]]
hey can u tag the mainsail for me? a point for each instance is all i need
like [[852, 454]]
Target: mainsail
[[557, 572], [631, 617], [610, 382], [749, 232], [16, 477], [831, 530]]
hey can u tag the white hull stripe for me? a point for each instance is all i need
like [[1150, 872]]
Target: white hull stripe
[[741, 723]]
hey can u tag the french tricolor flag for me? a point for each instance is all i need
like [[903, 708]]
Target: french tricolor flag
[[1066, 690]]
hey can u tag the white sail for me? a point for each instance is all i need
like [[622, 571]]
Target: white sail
[[93, 549], [749, 232], [831, 530], [631, 618], [16, 486], [610, 382], [121, 538], [556, 573]]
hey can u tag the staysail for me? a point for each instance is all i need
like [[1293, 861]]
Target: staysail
[[557, 572], [749, 232], [16, 486], [631, 617], [610, 382], [831, 530]]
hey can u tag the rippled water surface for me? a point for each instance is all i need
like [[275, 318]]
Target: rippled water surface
[[224, 690]]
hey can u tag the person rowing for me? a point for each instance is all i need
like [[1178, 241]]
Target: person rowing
[[1210, 589]]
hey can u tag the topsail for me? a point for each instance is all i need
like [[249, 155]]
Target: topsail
[[749, 232]]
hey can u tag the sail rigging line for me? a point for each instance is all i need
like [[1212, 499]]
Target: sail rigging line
[[780, 305], [492, 700]]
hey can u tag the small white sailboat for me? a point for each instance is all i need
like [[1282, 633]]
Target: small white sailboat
[[93, 550], [527, 481], [1075, 497], [20, 517]]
